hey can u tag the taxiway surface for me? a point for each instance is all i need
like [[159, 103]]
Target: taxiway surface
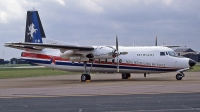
[[105, 92], [101, 84], [185, 102]]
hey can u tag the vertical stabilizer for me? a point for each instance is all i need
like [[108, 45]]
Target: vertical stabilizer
[[34, 30]]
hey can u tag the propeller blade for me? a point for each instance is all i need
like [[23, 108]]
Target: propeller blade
[[117, 50], [117, 44], [117, 64]]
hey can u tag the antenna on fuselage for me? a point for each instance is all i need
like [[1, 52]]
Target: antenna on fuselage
[[156, 43]]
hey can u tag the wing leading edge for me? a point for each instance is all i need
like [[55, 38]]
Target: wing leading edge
[[40, 46]]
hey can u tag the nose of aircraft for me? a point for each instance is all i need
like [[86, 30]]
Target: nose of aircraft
[[192, 63]]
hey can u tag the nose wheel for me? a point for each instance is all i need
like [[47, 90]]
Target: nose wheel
[[179, 76]]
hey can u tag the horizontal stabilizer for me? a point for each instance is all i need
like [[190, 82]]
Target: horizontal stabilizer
[[21, 47]]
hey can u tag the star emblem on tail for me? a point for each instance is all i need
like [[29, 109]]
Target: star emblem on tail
[[31, 30]]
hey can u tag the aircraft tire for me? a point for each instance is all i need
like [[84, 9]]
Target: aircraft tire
[[88, 77], [126, 75], [179, 76], [85, 77]]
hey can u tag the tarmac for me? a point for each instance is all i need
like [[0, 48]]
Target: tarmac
[[184, 102], [105, 92], [100, 84]]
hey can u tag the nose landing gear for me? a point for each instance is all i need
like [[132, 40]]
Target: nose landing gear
[[180, 75]]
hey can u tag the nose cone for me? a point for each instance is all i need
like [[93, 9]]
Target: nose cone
[[192, 63]]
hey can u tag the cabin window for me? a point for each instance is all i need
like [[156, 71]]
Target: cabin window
[[172, 53], [22, 54], [162, 53], [113, 61], [106, 61], [120, 61], [99, 61], [166, 53]]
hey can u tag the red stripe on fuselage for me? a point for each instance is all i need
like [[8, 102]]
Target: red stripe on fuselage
[[44, 56]]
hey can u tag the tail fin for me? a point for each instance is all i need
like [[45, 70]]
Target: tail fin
[[34, 30]]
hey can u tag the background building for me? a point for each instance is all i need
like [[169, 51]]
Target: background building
[[18, 61], [2, 61], [189, 53]]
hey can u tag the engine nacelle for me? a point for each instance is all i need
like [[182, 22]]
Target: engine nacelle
[[105, 52], [102, 56], [78, 58], [67, 54], [101, 53]]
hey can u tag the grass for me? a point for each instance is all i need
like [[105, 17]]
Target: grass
[[195, 69], [35, 72], [14, 65], [30, 72]]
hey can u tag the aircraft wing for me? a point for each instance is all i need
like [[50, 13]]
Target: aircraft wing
[[40, 46]]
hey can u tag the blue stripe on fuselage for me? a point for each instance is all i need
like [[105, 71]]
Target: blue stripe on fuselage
[[101, 65]]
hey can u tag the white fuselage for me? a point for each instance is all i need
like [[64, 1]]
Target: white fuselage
[[155, 59]]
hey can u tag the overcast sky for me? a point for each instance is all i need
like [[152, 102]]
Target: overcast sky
[[97, 22]]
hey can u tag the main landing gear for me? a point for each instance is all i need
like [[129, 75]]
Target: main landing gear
[[180, 75], [86, 74], [126, 75], [85, 77]]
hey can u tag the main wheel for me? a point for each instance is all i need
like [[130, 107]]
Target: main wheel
[[88, 76], [85, 77], [126, 75], [179, 76]]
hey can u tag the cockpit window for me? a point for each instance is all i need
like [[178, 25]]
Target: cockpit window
[[171, 53], [162, 53]]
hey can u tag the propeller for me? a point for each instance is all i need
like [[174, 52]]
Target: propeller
[[117, 50], [116, 53]]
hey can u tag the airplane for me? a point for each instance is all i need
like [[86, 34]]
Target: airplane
[[101, 59]]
